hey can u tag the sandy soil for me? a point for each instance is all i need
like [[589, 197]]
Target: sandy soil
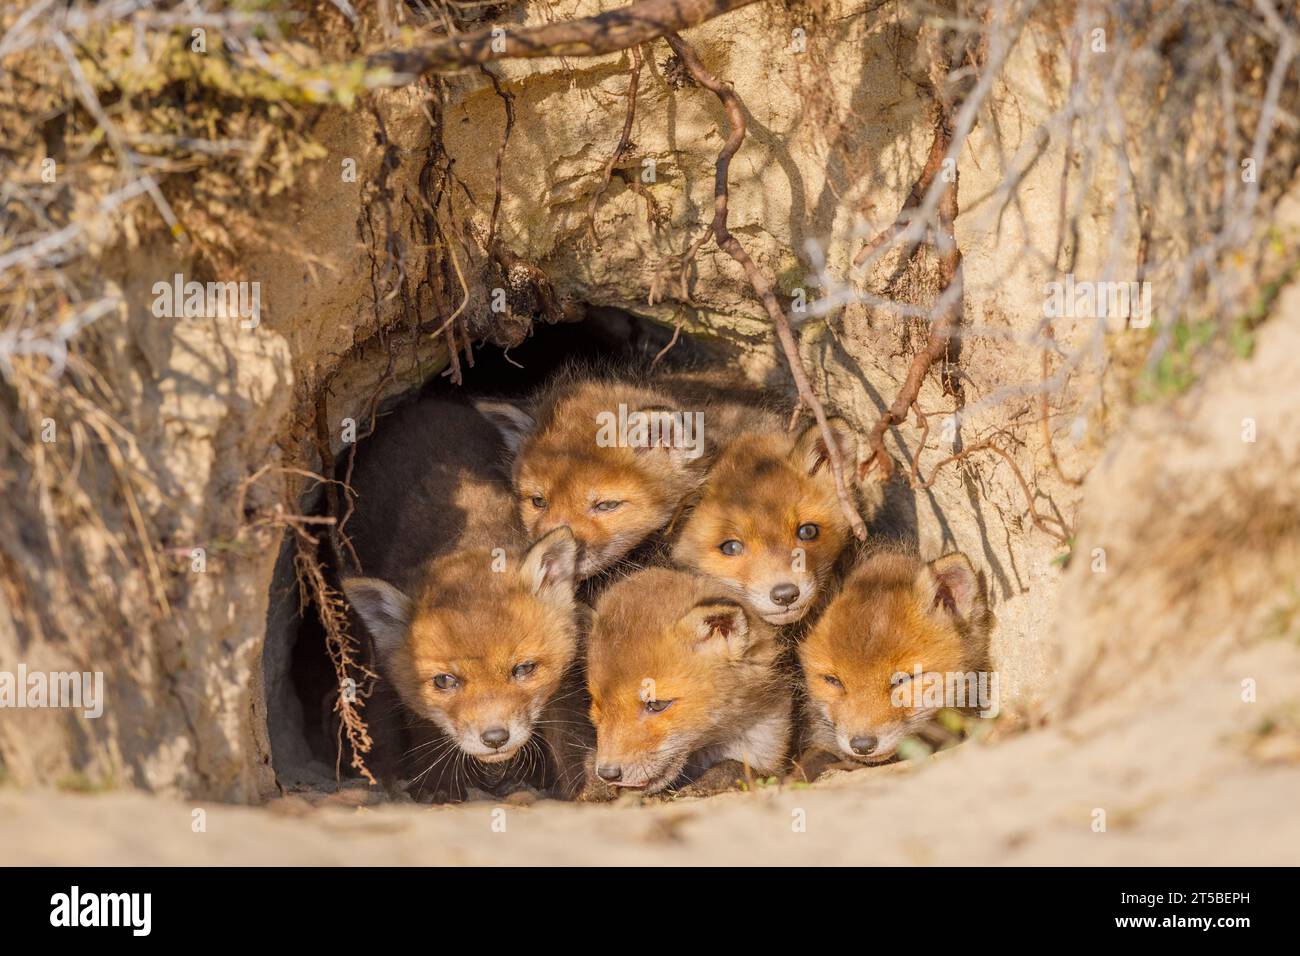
[[1186, 774]]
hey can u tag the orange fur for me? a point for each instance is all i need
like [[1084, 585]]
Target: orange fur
[[764, 487], [663, 635], [453, 594], [612, 498], [894, 614]]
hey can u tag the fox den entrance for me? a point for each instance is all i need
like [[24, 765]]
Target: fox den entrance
[[313, 752], [583, 572]]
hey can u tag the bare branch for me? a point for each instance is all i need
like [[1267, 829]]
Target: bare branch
[[592, 36]]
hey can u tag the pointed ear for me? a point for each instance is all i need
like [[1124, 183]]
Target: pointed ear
[[550, 568], [950, 586], [810, 450], [671, 433], [514, 424], [717, 627], [384, 610]]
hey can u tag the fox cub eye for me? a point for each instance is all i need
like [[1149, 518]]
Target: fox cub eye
[[537, 501], [731, 548], [608, 505], [832, 680], [901, 677], [523, 670], [445, 681], [808, 532], [657, 706]]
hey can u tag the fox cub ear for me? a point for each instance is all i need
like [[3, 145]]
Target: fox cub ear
[[949, 585], [670, 434], [384, 609], [550, 568], [514, 424], [810, 451], [717, 627]]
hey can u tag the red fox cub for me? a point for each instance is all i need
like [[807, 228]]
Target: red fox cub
[[683, 681], [474, 632], [768, 524], [900, 641], [610, 459]]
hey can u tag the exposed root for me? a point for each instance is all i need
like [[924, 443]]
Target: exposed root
[[940, 342], [677, 334], [439, 251], [1044, 407], [624, 140], [762, 287], [1061, 533], [607, 32], [682, 264], [933, 165], [508, 103], [355, 681]]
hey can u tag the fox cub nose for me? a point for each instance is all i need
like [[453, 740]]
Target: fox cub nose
[[609, 774], [862, 746], [784, 594], [496, 736]]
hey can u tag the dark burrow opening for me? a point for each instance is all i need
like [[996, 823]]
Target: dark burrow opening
[[301, 684]]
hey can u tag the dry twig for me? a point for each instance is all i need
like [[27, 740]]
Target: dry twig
[[762, 286]]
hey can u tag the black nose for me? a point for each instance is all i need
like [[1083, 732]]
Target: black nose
[[784, 594], [495, 736], [609, 774], [862, 746]]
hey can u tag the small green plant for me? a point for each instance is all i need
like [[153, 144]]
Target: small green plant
[[914, 748], [1176, 369], [1182, 362]]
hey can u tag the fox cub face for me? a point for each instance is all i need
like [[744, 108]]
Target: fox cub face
[[478, 652], [566, 473], [768, 524], [895, 616], [674, 667]]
